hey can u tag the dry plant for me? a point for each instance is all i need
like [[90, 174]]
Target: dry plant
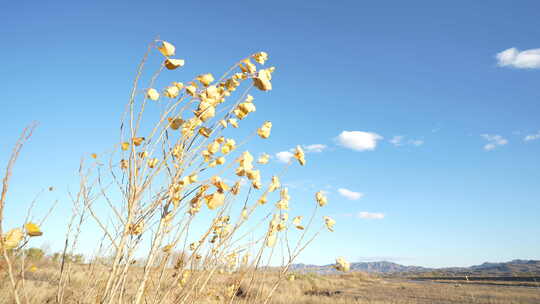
[[170, 202]]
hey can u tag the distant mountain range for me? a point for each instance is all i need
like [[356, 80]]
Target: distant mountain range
[[513, 267]]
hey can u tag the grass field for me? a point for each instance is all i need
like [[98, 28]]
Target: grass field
[[305, 288]]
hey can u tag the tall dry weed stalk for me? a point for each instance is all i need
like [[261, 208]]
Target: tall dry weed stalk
[[169, 175]]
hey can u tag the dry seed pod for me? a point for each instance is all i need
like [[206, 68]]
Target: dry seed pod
[[166, 49], [172, 64]]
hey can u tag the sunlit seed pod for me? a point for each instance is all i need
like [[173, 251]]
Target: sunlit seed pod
[[262, 81], [215, 200], [274, 184], [12, 239], [321, 199], [299, 155], [152, 94], [152, 162], [193, 246], [166, 49], [212, 164], [263, 200], [93, 155], [260, 57], [167, 248], [282, 204], [175, 123], [264, 130], [235, 190], [256, 184], [206, 155], [123, 164], [172, 64], [342, 265], [213, 147], [137, 141], [253, 174], [247, 67], [179, 85], [271, 240], [220, 160], [205, 79], [136, 229], [143, 154], [193, 178], [206, 132], [124, 146], [206, 113], [32, 229], [263, 159], [223, 123], [191, 90], [329, 222], [33, 268], [172, 91], [228, 146], [220, 140], [233, 122]]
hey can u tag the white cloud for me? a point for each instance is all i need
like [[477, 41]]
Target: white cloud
[[494, 141], [396, 140], [528, 59], [350, 194], [532, 136], [371, 215], [358, 140], [284, 156], [315, 148]]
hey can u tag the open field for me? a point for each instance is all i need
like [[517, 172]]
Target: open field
[[305, 288]]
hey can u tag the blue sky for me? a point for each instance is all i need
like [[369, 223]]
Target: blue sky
[[441, 164]]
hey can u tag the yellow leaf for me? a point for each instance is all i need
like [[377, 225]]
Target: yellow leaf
[[32, 229], [124, 146]]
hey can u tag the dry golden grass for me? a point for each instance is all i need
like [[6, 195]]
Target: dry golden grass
[[305, 288]]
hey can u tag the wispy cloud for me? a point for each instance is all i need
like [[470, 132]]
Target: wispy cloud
[[396, 140], [315, 148], [371, 215], [534, 136], [348, 194], [416, 142], [358, 140], [399, 140], [493, 141], [528, 59]]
